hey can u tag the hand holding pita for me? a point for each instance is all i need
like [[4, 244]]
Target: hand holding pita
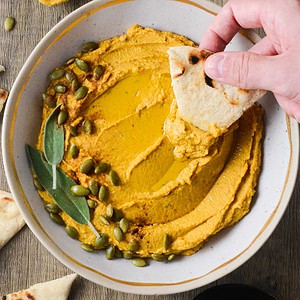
[[272, 64]]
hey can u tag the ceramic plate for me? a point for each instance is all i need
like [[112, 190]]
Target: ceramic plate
[[99, 20]]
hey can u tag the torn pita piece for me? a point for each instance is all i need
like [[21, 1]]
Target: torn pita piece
[[3, 98], [58, 289], [11, 220], [202, 101]]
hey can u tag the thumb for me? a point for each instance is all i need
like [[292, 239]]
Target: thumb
[[243, 69]]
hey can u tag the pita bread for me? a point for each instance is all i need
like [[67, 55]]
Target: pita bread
[[58, 289], [202, 101], [3, 98], [52, 2], [11, 220]]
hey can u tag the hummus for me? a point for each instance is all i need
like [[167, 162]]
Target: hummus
[[176, 180]]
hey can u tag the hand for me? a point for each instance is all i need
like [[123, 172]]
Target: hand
[[272, 64]]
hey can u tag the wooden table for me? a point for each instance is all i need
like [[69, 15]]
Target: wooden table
[[24, 261]]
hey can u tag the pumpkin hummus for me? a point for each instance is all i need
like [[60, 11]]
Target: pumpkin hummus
[[175, 179]]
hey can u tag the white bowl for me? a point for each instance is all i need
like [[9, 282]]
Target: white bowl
[[99, 20]]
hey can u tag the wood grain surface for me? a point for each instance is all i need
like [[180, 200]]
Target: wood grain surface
[[275, 268]]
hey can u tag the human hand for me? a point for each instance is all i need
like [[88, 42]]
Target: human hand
[[272, 64]]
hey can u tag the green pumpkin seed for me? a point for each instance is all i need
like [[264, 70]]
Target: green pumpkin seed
[[57, 219], [158, 257], [109, 211], [70, 76], [62, 117], [73, 151], [110, 252], [98, 72], [9, 23], [117, 215], [88, 127], [92, 204], [56, 74], [79, 190], [101, 168], [101, 242], [70, 61], [127, 254], [166, 241], [94, 187], [75, 84], [114, 178], [171, 257], [82, 65], [104, 220], [73, 131], [118, 234], [133, 245], [87, 247], [72, 232], [87, 166], [103, 193], [124, 225], [38, 185], [81, 93], [118, 253], [52, 208], [49, 100], [89, 46], [138, 262], [60, 88]]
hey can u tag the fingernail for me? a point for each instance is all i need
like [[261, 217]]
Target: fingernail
[[214, 66]]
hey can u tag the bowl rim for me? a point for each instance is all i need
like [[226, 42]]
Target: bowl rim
[[129, 287]]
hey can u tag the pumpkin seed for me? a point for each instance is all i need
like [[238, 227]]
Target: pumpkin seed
[[88, 127], [73, 130], [92, 204], [38, 185], [114, 178], [62, 117], [70, 76], [103, 193], [94, 187], [138, 262], [118, 253], [73, 151], [110, 252], [117, 215], [98, 72], [60, 88], [109, 211], [81, 93], [101, 242], [52, 208], [127, 254], [89, 46], [9, 23], [87, 166], [56, 74], [158, 257], [82, 65], [124, 225], [104, 220], [75, 84], [72, 232], [133, 245], [79, 190], [70, 61], [87, 247], [101, 168], [171, 257], [49, 100], [57, 219], [118, 234], [166, 241]]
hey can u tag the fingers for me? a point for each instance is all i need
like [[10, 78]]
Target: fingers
[[291, 107], [244, 69], [264, 47], [234, 15]]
